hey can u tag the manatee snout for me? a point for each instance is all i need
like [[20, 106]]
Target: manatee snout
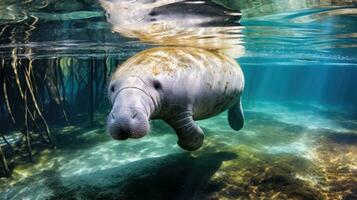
[[126, 123]]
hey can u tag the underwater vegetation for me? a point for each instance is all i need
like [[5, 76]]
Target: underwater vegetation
[[36, 94], [299, 62]]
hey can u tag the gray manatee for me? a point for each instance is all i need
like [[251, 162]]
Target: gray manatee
[[178, 85]]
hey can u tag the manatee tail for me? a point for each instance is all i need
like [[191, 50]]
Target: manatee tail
[[235, 116]]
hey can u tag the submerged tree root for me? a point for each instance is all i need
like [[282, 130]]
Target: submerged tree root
[[6, 170]]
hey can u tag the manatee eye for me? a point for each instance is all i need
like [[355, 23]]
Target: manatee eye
[[112, 88], [157, 85]]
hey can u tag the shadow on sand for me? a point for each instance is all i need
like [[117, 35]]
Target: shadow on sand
[[179, 176]]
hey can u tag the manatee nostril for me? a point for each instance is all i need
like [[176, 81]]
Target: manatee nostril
[[134, 114]]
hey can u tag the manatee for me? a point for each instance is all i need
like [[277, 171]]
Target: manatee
[[178, 85], [201, 24]]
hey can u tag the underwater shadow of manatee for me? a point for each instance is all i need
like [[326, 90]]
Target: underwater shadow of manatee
[[178, 176], [181, 177]]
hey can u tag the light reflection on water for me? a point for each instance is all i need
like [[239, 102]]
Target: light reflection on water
[[269, 28], [200, 24]]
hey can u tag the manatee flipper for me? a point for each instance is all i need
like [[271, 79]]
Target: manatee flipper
[[235, 116], [190, 135]]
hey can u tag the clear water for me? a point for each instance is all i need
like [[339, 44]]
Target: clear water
[[299, 59]]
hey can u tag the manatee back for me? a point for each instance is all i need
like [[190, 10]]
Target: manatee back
[[205, 81]]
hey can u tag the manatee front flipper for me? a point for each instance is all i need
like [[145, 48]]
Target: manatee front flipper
[[190, 135], [235, 116]]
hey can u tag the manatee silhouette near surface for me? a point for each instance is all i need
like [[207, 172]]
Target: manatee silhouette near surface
[[178, 85], [190, 23]]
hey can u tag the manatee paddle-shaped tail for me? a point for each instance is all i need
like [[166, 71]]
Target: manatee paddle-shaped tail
[[235, 116], [190, 135]]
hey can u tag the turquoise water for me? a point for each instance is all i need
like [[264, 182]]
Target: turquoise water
[[299, 139]]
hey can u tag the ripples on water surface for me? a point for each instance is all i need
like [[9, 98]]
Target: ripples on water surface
[[300, 63], [305, 31]]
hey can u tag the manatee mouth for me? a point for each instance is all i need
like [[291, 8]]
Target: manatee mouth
[[127, 123], [117, 133]]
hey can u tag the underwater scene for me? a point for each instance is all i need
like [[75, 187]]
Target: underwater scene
[[178, 99]]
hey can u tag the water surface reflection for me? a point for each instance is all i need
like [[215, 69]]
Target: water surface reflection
[[201, 24]]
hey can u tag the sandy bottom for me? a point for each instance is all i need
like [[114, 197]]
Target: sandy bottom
[[285, 151]]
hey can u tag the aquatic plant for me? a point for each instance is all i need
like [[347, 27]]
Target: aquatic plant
[[36, 92]]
